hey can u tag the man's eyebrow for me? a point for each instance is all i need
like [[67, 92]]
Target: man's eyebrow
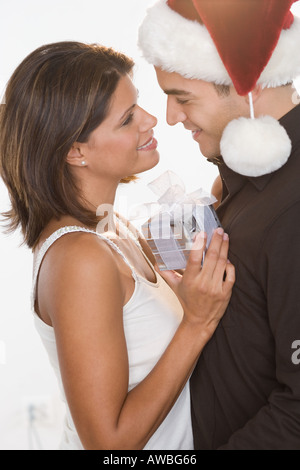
[[175, 91]]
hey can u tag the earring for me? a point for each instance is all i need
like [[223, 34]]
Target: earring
[[83, 163]]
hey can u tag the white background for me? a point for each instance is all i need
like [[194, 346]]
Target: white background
[[25, 374]]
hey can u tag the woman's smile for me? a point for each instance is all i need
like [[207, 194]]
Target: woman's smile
[[149, 145]]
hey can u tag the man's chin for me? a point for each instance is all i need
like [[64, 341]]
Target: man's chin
[[210, 156], [216, 160]]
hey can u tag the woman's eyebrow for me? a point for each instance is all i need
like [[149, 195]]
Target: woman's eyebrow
[[127, 111]]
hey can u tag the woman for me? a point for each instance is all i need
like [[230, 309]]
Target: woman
[[121, 343]]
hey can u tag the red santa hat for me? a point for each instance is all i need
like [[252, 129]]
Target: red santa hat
[[231, 42]]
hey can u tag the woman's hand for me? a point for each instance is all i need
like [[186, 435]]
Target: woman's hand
[[205, 291]]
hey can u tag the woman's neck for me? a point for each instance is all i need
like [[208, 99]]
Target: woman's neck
[[99, 197], [97, 193]]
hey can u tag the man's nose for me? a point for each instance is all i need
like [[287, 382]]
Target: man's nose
[[175, 113]]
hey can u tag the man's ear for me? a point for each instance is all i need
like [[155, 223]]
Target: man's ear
[[256, 94], [75, 156]]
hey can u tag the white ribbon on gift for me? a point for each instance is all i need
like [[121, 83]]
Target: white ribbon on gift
[[172, 198]]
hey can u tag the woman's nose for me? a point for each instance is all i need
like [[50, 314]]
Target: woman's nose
[[148, 121]]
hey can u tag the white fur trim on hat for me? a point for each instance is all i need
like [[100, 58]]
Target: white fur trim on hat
[[255, 147], [176, 44], [284, 65]]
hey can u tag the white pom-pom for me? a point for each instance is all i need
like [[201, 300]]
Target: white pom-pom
[[255, 147]]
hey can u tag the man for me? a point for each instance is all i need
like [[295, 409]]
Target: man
[[227, 67]]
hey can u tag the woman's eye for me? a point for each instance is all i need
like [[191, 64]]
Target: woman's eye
[[128, 120]]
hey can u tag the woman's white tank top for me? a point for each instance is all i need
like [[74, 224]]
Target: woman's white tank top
[[150, 317]]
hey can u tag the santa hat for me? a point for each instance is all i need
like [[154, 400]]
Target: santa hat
[[231, 42]]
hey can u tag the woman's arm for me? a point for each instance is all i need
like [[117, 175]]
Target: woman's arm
[[85, 299]]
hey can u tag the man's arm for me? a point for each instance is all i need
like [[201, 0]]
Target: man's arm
[[217, 190]]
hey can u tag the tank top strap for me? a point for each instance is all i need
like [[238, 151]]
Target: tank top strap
[[63, 231]]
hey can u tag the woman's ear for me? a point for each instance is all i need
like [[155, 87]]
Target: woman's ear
[[75, 156]]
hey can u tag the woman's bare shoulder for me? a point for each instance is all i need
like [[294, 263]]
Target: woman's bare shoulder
[[80, 248], [79, 272], [80, 259]]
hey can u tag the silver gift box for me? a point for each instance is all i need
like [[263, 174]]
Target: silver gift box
[[174, 219], [170, 236]]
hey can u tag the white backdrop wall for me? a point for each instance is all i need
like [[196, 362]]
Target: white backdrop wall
[[25, 375]]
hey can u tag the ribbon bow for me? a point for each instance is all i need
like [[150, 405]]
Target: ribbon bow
[[172, 198]]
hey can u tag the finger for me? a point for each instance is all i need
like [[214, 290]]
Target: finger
[[172, 278], [180, 271], [194, 263], [221, 265], [155, 265], [212, 255], [230, 277]]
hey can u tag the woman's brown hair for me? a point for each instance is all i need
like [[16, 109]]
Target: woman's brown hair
[[58, 95]]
